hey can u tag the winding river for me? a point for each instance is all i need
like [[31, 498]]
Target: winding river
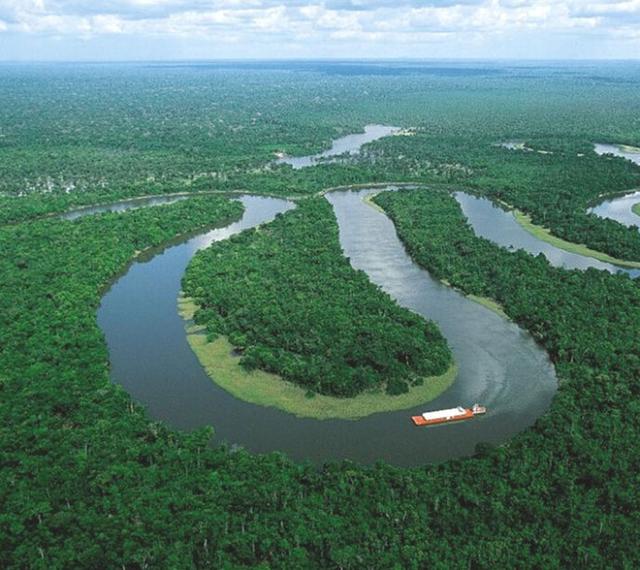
[[350, 144], [499, 226], [123, 205], [619, 208], [499, 364]]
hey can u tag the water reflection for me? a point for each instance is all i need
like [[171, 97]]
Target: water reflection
[[619, 209], [514, 145], [499, 226]]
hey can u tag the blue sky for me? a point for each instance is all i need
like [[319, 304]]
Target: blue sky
[[255, 29]]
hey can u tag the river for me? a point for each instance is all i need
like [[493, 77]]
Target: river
[[500, 365], [499, 226], [123, 205], [619, 208], [350, 144]]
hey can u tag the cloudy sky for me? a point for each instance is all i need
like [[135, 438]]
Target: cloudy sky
[[210, 29]]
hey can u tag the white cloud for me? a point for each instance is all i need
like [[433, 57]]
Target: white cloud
[[367, 21]]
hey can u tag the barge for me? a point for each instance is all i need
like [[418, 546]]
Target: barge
[[449, 415]]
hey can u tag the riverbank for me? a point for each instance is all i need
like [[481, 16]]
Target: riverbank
[[628, 148], [484, 301], [524, 220], [265, 389], [369, 201], [545, 235]]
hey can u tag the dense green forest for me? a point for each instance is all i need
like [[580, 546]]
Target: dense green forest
[[53, 276], [64, 144], [290, 302], [87, 480]]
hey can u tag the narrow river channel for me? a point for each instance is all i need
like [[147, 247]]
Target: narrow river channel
[[500, 365], [499, 226], [123, 206], [349, 144], [619, 208]]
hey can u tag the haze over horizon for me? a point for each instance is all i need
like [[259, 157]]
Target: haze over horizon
[[36, 30]]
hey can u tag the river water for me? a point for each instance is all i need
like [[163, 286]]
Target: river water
[[500, 365], [123, 206], [350, 144], [619, 208], [499, 226]]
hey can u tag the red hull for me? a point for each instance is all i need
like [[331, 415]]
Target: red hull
[[420, 421]]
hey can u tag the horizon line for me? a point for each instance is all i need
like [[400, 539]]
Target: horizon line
[[321, 60]]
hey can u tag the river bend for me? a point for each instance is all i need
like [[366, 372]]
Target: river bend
[[499, 364]]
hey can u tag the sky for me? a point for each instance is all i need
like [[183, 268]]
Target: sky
[[106, 30]]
